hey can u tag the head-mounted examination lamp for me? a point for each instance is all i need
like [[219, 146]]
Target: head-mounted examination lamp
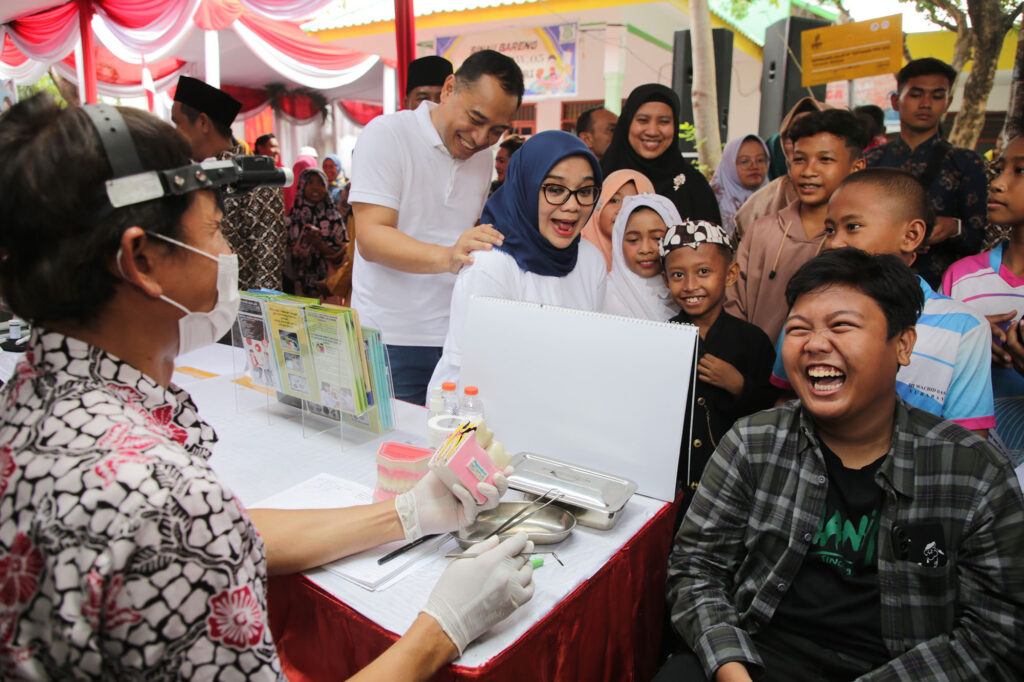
[[132, 184]]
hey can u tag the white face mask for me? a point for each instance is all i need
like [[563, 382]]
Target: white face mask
[[196, 330]]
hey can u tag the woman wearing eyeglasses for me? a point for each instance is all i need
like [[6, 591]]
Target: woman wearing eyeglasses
[[743, 171], [551, 186]]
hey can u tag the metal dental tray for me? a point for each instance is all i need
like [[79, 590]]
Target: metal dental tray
[[595, 498], [547, 527]]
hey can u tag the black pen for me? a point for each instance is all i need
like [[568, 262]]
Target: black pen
[[403, 549]]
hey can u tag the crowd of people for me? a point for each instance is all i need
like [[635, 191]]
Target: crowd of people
[[846, 509]]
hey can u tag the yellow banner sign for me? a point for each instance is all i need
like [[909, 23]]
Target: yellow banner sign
[[863, 48]]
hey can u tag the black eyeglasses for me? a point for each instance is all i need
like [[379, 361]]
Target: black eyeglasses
[[556, 195]]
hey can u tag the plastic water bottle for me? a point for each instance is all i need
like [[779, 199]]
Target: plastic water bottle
[[451, 398], [471, 407], [435, 405]]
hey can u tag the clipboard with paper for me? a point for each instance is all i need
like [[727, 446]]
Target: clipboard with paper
[[597, 390]]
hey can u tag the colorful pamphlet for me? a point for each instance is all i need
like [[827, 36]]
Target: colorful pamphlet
[[336, 358], [379, 418], [260, 361], [316, 357], [290, 340]]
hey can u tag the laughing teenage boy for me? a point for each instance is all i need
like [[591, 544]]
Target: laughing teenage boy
[[849, 535]]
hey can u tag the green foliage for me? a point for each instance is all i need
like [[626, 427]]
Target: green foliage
[[687, 133], [44, 84], [738, 8]]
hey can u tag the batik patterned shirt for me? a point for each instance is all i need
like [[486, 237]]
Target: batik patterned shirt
[[254, 228], [754, 516], [122, 556]]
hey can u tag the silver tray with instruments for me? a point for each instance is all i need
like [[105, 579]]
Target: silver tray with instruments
[[546, 526], [595, 498]]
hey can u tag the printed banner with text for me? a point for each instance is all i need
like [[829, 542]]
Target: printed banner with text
[[547, 55], [863, 48]]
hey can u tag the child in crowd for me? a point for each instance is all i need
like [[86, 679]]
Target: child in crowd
[[635, 285], [743, 171], [316, 232], [550, 188], [826, 148], [886, 211], [779, 192], [617, 186], [992, 283], [697, 259]]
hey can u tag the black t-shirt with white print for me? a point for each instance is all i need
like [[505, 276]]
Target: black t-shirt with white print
[[834, 601]]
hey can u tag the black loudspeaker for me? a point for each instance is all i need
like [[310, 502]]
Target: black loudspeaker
[[780, 72], [682, 78]]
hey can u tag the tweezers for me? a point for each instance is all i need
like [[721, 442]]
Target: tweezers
[[463, 555], [523, 514]]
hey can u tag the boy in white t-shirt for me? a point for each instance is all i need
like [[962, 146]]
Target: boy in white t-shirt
[[419, 183]]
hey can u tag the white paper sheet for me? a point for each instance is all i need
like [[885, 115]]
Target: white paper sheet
[[325, 491]]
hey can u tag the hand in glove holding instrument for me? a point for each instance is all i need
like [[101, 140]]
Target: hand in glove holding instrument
[[431, 507], [475, 594]]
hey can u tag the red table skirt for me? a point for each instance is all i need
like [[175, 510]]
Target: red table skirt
[[609, 628]]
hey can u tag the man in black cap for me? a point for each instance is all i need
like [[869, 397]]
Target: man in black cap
[[425, 78], [253, 222]]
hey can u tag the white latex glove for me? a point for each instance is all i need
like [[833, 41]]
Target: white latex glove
[[431, 507], [475, 594]]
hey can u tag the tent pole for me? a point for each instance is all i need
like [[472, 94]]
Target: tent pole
[[389, 90], [211, 43], [85, 13], [80, 71], [405, 37]]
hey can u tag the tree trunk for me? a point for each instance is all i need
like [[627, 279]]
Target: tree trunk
[[989, 30], [962, 48], [67, 90], [705, 98], [1013, 126]]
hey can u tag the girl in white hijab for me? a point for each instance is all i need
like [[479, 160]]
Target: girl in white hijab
[[635, 285]]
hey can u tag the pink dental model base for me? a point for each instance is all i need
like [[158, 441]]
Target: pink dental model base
[[399, 468]]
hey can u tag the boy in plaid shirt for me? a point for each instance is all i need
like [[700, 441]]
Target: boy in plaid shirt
[[848, 535]]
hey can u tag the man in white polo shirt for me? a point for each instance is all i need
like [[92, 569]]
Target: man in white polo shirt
[[419, 182]]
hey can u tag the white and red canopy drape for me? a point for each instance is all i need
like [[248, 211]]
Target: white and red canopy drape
[[150, 42]]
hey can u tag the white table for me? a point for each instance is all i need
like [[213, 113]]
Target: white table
[[262, 451]]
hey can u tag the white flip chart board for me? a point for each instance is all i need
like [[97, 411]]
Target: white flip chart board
[[597, 390]]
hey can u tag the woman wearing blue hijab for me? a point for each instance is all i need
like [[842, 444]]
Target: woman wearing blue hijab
[[550, 188]]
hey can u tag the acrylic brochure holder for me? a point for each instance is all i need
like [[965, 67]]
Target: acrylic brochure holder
[[331, 414], [600, 391]]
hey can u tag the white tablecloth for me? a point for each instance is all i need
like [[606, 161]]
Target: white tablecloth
[[264, 449]]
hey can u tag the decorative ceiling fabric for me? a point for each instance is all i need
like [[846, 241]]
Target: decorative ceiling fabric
[[46, 36], [287, 10], [130, 28]]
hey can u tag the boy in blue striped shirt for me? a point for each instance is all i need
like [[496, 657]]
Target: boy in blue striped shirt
[[886, 211]]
